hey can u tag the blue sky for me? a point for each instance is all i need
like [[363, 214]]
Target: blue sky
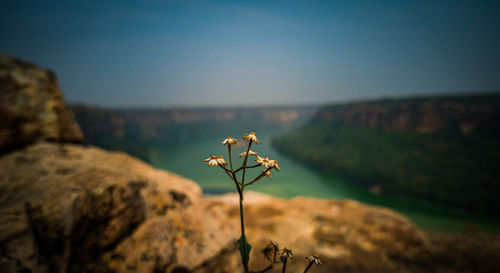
[[204, 53]]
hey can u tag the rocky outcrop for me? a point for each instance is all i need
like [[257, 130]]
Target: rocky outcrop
[[66, 208], [352, 237], [348, 236], [32, 107]]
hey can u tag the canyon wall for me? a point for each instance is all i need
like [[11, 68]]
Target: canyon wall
[[467, 113]]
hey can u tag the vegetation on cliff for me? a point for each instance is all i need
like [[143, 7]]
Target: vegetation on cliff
[[439, 149]]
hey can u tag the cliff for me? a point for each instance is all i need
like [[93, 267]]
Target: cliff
[[32, 107], [467, 113], [69, 208], [442, 149], [160, 123]]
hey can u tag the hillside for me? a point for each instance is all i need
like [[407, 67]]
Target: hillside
[[136, 130], [442, 149]]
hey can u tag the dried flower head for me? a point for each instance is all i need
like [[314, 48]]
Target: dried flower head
[[251, 137], [286, 253], [266, 173], [249, 153], [314, 259], [268, 163], [221, 161], [261, 160], [212, 161], [270, 250], [229, 140], [273, 164]]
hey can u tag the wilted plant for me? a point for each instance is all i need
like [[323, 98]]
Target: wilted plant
[[272, 251]]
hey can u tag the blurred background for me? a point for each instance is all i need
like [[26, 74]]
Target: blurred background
[[391, 103]]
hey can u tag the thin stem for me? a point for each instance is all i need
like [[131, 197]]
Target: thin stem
[[257, 178], [284, 265], [308, 266], [229, 174], [233, 177], [267, 268], [230, 157], [243, 237], [244, 165], [249, 167], [263, 270]]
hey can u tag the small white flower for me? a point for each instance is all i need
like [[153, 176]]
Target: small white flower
[[314, 258], [251, 137], [221, 161], [212, 161], [229, 140], [249, 153]]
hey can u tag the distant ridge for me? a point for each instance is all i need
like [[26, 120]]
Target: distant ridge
[[441, 148]]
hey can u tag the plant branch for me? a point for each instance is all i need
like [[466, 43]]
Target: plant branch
[[233, 177], [308, 266], [249, 167], [284, 265], [258, 177], [244, 165], [230, 157]]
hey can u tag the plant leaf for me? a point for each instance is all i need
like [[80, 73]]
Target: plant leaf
[[244, 251]]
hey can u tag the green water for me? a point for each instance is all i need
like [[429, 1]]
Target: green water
[[295, 179]]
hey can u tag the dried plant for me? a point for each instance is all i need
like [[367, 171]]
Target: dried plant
[[272, 251]]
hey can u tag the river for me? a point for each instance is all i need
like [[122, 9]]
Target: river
[[295, 179]]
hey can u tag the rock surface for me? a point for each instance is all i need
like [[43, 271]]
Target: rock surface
[[32, 107], [348, 236], [66, 208], [352, 237]]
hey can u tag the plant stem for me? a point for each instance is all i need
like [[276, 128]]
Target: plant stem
[[308, 266], [230, 157], [257, 178], [284, 265], [233, 177], [249, 167], [243, 237], [244, 165]]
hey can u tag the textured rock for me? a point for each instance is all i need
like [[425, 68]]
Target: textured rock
[[348, 236], [66, 208], [32, 107]]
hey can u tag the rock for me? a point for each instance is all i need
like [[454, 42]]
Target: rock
[[348, 236], [66, 208], [32, 107]]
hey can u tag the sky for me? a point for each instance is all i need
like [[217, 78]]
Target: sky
[[223, 53]]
